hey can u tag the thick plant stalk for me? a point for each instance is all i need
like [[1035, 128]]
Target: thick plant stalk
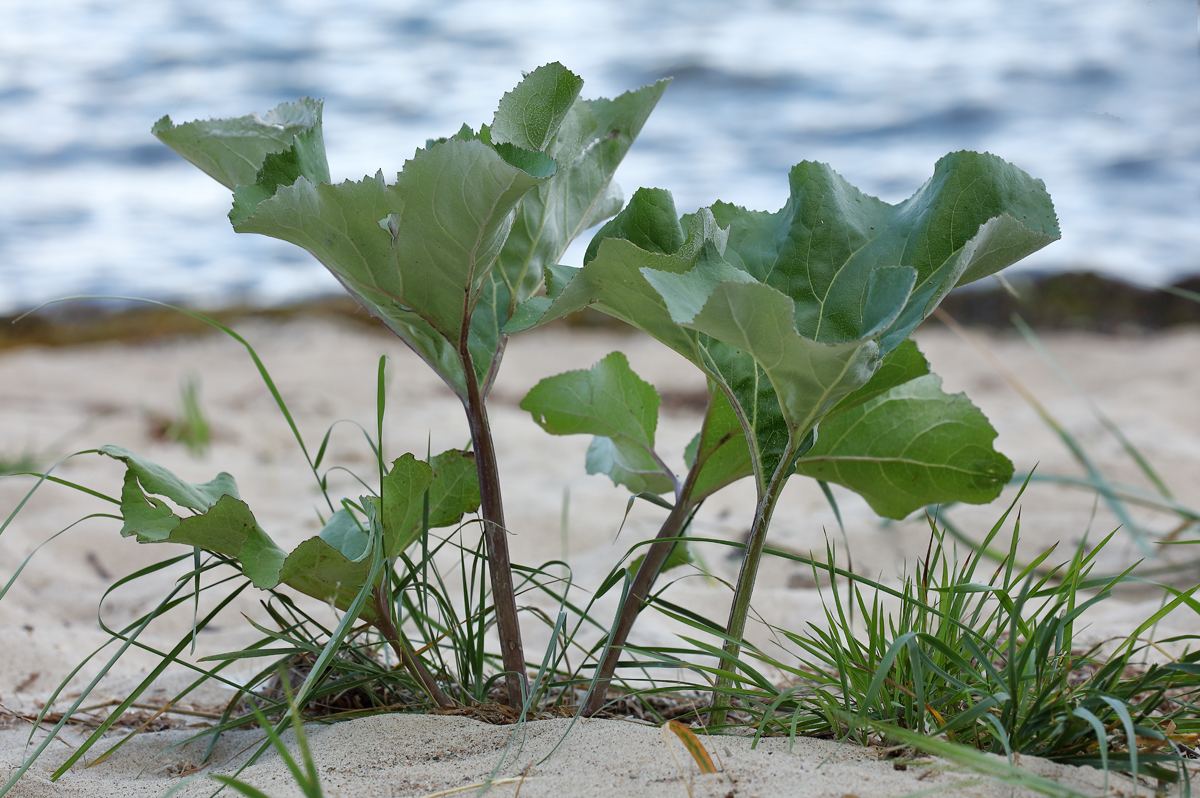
[[405, 653], [746, 578], [495, 537], [643, 581]]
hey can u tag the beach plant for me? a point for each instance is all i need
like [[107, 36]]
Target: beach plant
[[352, 566], [343, 565], [996, 663], [443, 255], [790, 315], [798, 319], [793, 316]]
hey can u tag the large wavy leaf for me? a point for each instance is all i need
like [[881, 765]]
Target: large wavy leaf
[[681, 290], [231, 151], [910, 446], [455, 213], [446, 218], [791, 312], [589, 145], [721, 443]]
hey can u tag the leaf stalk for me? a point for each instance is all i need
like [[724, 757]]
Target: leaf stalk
[[749, 574], [643, 581], [404, 651]]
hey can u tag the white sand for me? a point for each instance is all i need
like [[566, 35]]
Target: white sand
[[57, 401]]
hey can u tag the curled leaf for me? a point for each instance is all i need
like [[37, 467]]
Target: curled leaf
[[332, 566]]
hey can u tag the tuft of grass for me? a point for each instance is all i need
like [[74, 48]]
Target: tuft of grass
[[991, 662], [979, 659], [190, 428]]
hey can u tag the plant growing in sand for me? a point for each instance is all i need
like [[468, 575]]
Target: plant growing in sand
[[445, 254], [799, 320], [791, 315]]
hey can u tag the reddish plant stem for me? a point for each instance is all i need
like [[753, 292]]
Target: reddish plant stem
[[404, 651], [643, 581], [495, 537]]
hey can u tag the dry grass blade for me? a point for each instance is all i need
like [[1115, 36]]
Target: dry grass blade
[[476, 786], [692, 743], [1095, 476]]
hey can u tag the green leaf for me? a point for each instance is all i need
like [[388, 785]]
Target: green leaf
[[231, 151], [158, 480], [791, 312], [530, 115], [454, 491], [589, 145], [628, 464], [447, 217], [908, 447], [976, 215], [344, 533], [340, 225], [900, 365], [227, 527], [402, 504], [608, 399], [592, 141], [807, 378], [306, 158], [611, 402], [332, 566], [146, 518], [691, 299], [651, 224], [317, 569], [440, 273]]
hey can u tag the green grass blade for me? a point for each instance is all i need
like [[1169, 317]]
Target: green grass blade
[[258, 364], [1100, 415], [1122, 711], [241, 786], [1101, 737]]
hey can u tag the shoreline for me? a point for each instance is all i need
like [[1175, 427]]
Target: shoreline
[[1078, 301]]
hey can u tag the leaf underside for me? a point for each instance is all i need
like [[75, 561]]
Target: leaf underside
[[911, 446]]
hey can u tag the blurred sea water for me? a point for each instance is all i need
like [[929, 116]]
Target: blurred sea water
[[1099, 99]]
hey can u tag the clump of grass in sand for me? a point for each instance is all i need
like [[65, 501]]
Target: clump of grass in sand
[[993, 662], [970, 658], [190, 427]]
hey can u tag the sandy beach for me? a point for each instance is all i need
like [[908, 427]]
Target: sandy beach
[[55, 401]]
